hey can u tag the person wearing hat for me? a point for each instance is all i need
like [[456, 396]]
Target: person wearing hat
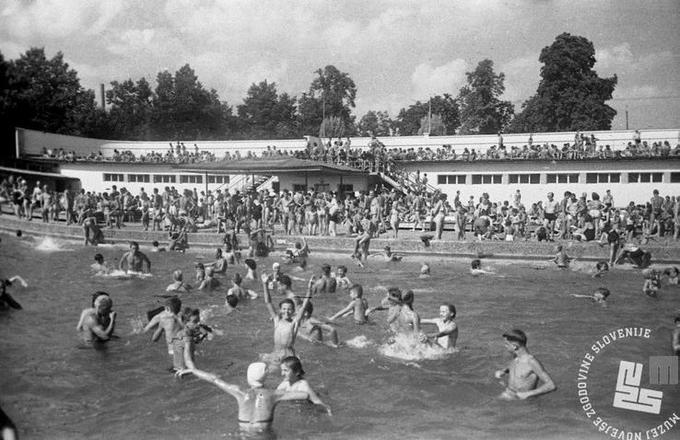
[[256, 404], [526, 375]]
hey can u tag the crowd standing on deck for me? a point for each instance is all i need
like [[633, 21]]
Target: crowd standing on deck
[[583, 217]]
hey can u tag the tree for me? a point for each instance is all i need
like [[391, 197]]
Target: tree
[[184, 109], [332, 126], [375, 124], [481, 110], [130, 106], [45, 94], [331, 93], [409, 119], [570, 96], [265, 114]]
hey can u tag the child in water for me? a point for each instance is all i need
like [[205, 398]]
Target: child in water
[[168, 321], [6, 299], [447, 333], [99, 267], [652, 283], [476, 268], [256, 404], [601, 268], [561, 259], [424, 271], [672, 274], [178, 285], [599, 296], [357, 307], [312, 329], [293, 380]]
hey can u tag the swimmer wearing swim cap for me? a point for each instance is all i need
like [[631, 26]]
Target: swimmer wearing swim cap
[[256, 404]]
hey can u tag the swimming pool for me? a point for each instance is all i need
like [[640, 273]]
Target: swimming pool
[[52, 389]]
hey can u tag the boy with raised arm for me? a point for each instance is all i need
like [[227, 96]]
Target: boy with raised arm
[[168, 321], [286, 322], [525, 372], [256, 404]]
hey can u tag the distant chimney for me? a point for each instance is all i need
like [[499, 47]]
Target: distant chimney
[[101, 88]]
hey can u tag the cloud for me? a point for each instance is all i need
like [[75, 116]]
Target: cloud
[[608, 58], [522, 75], [58, 18], [447, 78]]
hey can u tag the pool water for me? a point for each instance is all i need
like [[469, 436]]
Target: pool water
[[54, 389]]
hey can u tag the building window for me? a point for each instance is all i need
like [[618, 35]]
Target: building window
[[108, 177], [164, 178], [486, 179], [562, 178], [524, 178], [675, 177], [451, 179], [218, 179], [141, 178], [190, 178], [603, 177], [646, 177], [297, 187], [322, 187]]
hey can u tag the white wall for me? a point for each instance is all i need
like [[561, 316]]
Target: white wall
[[623, 192], [31, 142]]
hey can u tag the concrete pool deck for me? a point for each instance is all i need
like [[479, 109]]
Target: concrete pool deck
[[663, 251]]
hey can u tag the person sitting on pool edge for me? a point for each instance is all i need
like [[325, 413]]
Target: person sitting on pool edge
[[525, 372], [256, 404]]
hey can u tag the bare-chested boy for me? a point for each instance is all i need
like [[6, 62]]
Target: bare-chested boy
[[168, 321], [447, 330], [357, 307], [526, 375], [134, 260], [98, 323], [286, 322]]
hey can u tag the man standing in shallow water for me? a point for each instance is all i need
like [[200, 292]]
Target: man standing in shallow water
[[134, 260], [524, 372], [97, 323]]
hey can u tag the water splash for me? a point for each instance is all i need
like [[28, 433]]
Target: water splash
[[409, 347], [137, 325], [360, 341], [49, 244]]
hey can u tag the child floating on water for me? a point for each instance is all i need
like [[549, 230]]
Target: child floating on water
[[236, 292], [298, 254], [599, 296], [476, 268], [155, 247], [313, 330], [388, 255]]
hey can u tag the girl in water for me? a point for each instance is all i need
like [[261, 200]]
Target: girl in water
[[293, 380]]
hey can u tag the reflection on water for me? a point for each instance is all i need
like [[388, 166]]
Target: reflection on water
[[377, 390]]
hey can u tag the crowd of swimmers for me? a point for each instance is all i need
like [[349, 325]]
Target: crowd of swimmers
[[292, 317]]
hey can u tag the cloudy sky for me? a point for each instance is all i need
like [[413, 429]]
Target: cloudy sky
[[397, 52]]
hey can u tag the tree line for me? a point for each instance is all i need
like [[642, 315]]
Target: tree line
[[42, 93]]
